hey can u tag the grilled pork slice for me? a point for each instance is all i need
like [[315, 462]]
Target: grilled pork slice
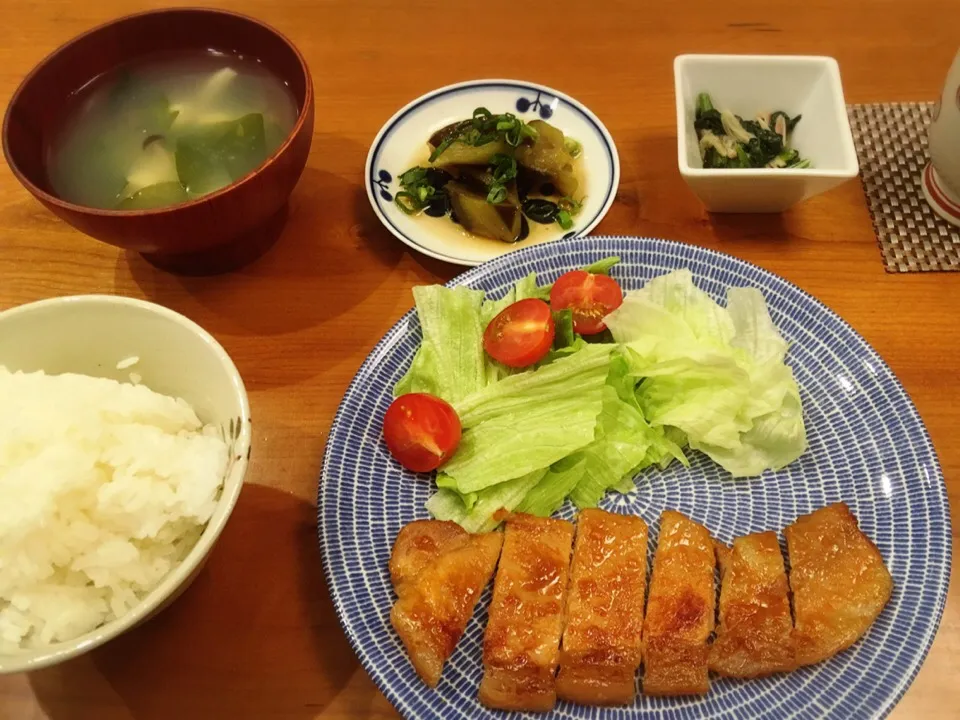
[[755, 635], [438, 570], [418, 545], [838, 579], [601, 648], [522, 642], [680, 609]]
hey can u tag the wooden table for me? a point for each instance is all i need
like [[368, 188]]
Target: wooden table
[[256, 636]]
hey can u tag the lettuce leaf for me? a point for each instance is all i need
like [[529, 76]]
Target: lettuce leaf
[[450, 362], [529, 421], [476, 512], [774, 441], [624, 442], [549, 494], [713, 376], [677, 370]]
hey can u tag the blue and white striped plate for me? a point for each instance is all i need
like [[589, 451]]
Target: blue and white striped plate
[[396, 148], [868, 448]]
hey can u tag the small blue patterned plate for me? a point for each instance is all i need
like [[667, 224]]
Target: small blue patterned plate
[[402, 143], [868, 448]]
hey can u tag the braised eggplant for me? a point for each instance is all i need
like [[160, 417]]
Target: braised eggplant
[[488, 171], [501, 221], [550, 158], [460, 154]]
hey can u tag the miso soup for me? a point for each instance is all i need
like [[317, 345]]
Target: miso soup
[[168, 129]]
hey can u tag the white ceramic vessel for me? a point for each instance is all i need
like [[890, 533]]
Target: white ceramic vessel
[[747, 85], [402, 143], [940, 179], [91, 334]]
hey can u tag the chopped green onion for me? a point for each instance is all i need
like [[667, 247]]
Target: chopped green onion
[[497, 194], [441, 148], [564, 220], [412, 204], [503, 168], [528, 131], [574, 149], [413, 175], [417, 192], [570, 205]]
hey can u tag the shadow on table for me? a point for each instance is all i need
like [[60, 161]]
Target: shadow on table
[[736, 228], [329, 236], [255, 636]]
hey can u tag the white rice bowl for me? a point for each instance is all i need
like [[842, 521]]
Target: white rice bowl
[[104, 490]]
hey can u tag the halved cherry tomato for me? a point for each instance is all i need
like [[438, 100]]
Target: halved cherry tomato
[[422, 431], [521, 334], [590, 298]]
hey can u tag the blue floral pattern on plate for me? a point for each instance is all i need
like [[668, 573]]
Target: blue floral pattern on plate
[[868, 447], [382, 181], [545, 109]]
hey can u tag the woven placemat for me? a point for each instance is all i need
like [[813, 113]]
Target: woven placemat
[[891, 142]]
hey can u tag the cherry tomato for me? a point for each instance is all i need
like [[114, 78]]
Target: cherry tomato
[[590, 298], [422, 431], [521, 334]]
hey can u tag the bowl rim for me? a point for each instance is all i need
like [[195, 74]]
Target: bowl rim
[[68, 206], [58, 652], [851, 166]]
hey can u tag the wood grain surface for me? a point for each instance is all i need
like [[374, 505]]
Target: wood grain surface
[[256, 636]]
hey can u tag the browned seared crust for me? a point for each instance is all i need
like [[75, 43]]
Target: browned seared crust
[[418, 544], [601, 648], [522, 642], [839, 582], [755, 634], [680, 609], [439, 574]]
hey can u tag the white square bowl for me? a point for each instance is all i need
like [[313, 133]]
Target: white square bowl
[[746, 85]]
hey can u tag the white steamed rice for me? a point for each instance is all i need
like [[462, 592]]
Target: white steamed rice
[[104, 488]]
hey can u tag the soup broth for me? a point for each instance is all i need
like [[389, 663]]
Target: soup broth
[[168, 129]]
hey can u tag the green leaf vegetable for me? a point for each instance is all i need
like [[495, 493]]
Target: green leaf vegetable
[[728, 141], [450, 362], [220, 153], [678, 371], [154, 196], [476, 512], [503, 169], [715, 374], [529, 420], [206, 157]]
